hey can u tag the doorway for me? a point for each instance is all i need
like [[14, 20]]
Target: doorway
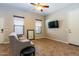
[[73, 24]]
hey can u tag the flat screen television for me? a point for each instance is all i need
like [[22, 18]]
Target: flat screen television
[[53, 24]]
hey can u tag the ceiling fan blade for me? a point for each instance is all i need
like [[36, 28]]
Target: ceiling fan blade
[[45, 6], [33, 4]]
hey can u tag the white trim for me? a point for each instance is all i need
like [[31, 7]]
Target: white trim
[[57, 40], [4, 42], [62, 41], [39, 37], [54, 39]]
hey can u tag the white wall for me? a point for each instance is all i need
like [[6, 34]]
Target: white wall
[[62, 33], [59, 34], [1, 27], [29, 21]]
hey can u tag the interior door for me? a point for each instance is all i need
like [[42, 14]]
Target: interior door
[[1, 30], [73, 24]]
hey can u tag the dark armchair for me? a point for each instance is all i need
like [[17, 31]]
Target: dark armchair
[[17, 45]]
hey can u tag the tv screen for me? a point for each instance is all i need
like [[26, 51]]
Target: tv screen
[[53, 24]]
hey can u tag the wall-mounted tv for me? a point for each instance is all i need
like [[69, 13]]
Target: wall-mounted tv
[[53, 24]]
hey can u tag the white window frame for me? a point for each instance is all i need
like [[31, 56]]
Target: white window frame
[[19, 24], [38, 31]]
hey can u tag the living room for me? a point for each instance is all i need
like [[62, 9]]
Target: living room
[[63, 37]]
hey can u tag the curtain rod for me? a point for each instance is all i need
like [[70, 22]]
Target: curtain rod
[[38, 19], [18, 16]]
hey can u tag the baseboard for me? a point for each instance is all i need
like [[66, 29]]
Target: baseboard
[[62, 41], [4, 42], [52, 39], [40, 38], [73, 44], [57, 40]]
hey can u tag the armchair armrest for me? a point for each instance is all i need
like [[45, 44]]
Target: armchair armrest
[[24, 40]]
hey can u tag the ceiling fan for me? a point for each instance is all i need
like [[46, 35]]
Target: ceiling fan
[[40, 6]]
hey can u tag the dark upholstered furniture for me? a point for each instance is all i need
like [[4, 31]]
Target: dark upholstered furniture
[[17, 45], [28, 51]]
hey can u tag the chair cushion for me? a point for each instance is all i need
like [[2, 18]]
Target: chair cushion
[[14, 34], [22, 38]]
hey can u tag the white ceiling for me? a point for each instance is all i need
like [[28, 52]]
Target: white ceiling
[[53, 7]]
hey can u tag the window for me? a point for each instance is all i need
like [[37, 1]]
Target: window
[[18, 25], [38, 26]]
